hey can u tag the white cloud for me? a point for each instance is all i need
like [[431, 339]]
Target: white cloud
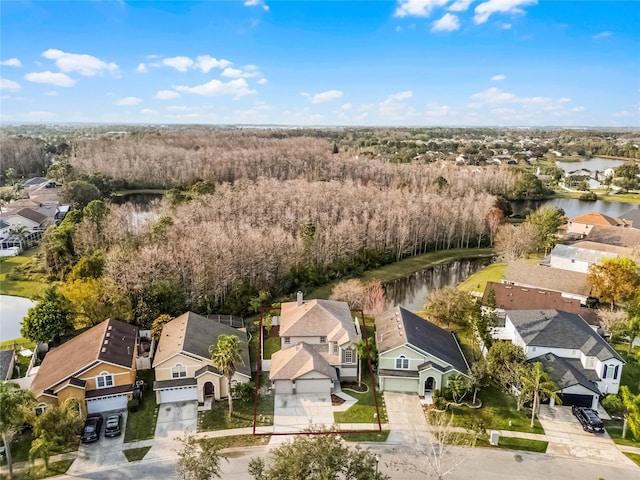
[[257, 3], [249, 71], [394, 108], [51, 93], [10, 85], [177, 108], [448, 23], [181, 64], [236, 88], [346, 106], [399, 96], [38, 116], [460, 5], [206, 63], [166, 95], [148, 111], [126, 101], [11, 62], [263, 81], [488, 8], [57, 79], [498, 78], [86, 65], [141, 68], [493, 95], [577, 109], [600, 35], [417, 8], [327, 96], [504, 26]]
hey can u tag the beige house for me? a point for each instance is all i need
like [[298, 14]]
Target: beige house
[[582, 225], [182, 362], [97, 368]]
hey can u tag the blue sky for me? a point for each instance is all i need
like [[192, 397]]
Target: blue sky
[[404, 63]]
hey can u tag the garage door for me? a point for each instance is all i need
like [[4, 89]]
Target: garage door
[[283, 386], [322, 386], [401, 385], [178, 394], [571, 399], [116, 402]]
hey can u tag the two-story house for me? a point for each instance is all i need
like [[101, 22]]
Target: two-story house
[[579, 360], [576, 259], [325, 333]]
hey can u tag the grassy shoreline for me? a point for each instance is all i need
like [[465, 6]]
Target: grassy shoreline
[[20, 288]]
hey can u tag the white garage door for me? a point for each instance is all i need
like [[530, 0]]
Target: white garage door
[[283, 386], [179, 394], [117, 402], [401, 385], [320, 385]]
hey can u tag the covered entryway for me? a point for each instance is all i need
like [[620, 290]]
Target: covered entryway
[[208, 389], [178, 394], [105, 404], [429, 384]]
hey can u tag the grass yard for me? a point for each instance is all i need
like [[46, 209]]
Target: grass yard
[[631, 370], [235, 441], [498, 412], [18, 343], [136, 454], [635, 457], [614, 429], [141, 422], [19, 448], [510, 443], [367, 436], [36, 472], [218, 419], [364, 411], [271, 346], [478, 281], [31, 280]]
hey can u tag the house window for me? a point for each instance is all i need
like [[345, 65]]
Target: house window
[[348, 356], [287, 340], [104, 380], [402, 362], [323, 339], [610, 371], [335, 348], [178, 371], [40, 409], [592, 362]]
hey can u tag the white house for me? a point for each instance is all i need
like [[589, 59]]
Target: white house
[[579, 360], [576, 259]]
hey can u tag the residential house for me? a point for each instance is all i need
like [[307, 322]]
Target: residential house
[[7, 362], [328, 334], [33, 221], [182, 362], [569, 284], [414, 355], [582, 225], [632, 216], [97, 368], [579, 360], [616, 236], [577, 259], [513, 297]]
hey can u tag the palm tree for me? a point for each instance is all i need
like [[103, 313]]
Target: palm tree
[[226, 357], [536, 382], [14, 404], [362, 350], [630, 406], [21, 232]]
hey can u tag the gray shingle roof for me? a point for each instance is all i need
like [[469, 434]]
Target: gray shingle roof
[[397, 327], [174, 382], [566, 373], [622, 237], [6, 357], [327, 318], [634, 216], [301, 359], [554, 329], [533, 275], [581, 254]]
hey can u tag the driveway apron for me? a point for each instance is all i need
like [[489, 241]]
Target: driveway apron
[[176, 418], [407, 420], [568, 439], [294, 413]]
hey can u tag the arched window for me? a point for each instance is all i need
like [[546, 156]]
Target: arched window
[[402, 362], [178, 371], [104, 380], [40, 409]]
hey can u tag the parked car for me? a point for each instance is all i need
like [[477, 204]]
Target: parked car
[[113, 425], [589, 419], [92, 427]]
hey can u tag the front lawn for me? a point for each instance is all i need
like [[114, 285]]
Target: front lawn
[[631, 370], [614, 429], [19, 448], [513, 443], [365, 410], [136, 454], [635, 457], [141, 420], [39, 471], [366, 436], [498, 412], [235, 441]]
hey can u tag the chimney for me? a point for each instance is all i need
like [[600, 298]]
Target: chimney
[[300, 298]]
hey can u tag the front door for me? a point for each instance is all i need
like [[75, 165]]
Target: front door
[[429, 384], [208, 389]]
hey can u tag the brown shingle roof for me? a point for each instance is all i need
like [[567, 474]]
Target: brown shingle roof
[[111, 341], [597, 218], [603, 247], [315, 318], [294, 362], [32, 215], [533, 275], [622, 237]]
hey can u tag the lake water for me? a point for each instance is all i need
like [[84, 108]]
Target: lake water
[[12, 311], [593, 164], [573, 207], [410, 292]]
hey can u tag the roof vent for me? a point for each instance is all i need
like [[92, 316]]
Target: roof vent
[[106, 342], [108, 334], [110, 327], [104, 350], [300, 298]]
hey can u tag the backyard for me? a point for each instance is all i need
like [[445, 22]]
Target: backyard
[[23, 276]]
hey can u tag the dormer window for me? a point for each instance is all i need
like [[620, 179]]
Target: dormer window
[[323, 339], [178, 371], [104, 380], [402, 362]]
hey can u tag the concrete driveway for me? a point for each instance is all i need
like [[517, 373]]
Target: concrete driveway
[[294, 413], [407, 420], [568, 439], [103, 453], [176, 418]]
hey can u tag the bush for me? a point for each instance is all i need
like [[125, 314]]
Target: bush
[[244, 391]]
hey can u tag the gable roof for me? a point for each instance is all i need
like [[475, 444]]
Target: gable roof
[[6, 359], [554, 329], [111, 341], [32, 215], [603, 247], [632, 215], [581, 254], [513, 297], [397, 327], [534, 275], [566, 373], [314, 318], [301, 359], [597, 218], [34, 181], [622, 237], [193, 334], [3, 224]]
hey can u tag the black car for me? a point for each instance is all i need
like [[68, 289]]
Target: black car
[[92, 427], [589, 419], [113, 425]]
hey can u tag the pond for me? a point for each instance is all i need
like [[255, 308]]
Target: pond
[[12, 311], [593, 164], [410, 292], [573, 207]]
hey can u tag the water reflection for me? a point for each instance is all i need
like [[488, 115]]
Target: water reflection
[[410, 292], [12, 311], [572, 206]]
